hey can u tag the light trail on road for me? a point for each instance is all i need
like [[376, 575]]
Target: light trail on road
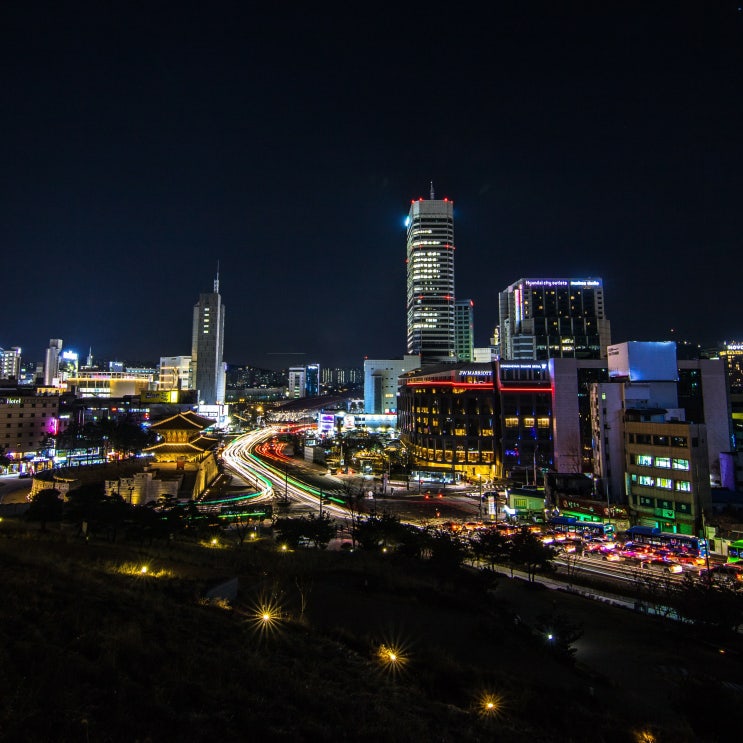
[[240, 457]]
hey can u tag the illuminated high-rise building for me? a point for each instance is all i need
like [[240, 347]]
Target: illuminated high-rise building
[[464, 329], [209, 374], [553, 318], [430, 280], [175, 373], [10, 363], [51, 362], [312, 380], [297, 382], [733, 356]]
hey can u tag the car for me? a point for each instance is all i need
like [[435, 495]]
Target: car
[[572, 546], [658, 563], [726, 573], [593, 548], [628, 552], [613, 556], [24, 475], [688, 560]]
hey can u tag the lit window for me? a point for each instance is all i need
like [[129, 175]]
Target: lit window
[[643, 460], [681, 464], [665, 483], [664, 462], [683, 486]]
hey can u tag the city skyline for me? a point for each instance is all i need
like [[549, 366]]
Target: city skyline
[[139, 149]]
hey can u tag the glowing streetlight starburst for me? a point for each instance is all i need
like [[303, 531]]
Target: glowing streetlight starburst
[[391, 658], [265, 618], [490, 705]]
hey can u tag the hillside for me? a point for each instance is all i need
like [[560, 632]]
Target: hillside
[[96, 650]]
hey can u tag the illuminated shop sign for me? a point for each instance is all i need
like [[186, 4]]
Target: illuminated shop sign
[[546, 282], [10, 400], [734, 347], [583, 282], [475, 373], [541, 367]]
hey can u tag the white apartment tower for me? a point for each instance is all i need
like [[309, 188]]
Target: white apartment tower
[[430, 280], [10, 363], [207, 345], [297, 382]]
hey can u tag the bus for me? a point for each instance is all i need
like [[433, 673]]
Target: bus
[[680, 544], [246, 511], [735, 551], [570, 526]]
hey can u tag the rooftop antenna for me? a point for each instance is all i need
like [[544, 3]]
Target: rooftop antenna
[[216, 281], [432, 194]]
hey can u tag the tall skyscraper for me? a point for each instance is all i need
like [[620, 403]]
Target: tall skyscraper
[[207, 346], [553, 318], [464, 329], [430, 280], [51, 362], [312, 380]]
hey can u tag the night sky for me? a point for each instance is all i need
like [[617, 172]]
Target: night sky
[[142, 142]]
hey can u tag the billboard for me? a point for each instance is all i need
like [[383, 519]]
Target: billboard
[[643, 361], [159, 396]]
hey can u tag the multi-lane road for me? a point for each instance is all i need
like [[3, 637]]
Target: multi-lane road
[[257, 457], [257, 461]]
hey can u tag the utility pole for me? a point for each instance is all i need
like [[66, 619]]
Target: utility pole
[[706, 556]]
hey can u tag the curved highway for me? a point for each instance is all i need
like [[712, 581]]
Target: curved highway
[[270, 468]]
